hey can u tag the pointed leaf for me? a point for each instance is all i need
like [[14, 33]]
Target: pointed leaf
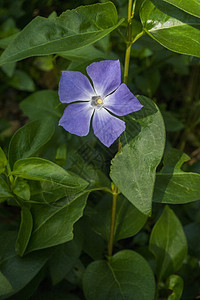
[[71, 30], [24, 142], [44, 170], [24, 231], [5, 286], [168, 243]]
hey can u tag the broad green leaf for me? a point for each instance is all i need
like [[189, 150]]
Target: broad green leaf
[[173, 185], [192, 6], [22, 190], [168, 243], [19, 271], [64, 259], [129, 220], [73, 29], [134, 169], [29, 139], [5, 191], [127, 276], [53, 224], [5, 286], [22, 81], [175, 284], [3, 161], [44, 170], [171, 27], [42, 105], [88, 53], [25, 230]]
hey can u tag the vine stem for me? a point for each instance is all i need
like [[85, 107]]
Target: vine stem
[[115, 191]]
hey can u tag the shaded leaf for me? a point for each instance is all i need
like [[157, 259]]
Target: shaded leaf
[[5, 286], [25, 230], [42, 105], [168, 243], [4, 190], [173, 185], [53, 224], [129, 220], [127, 276], [29, 139]]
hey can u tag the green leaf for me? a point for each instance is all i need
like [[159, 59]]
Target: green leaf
[[86, 53], [173, 185], [53, 224], [63, 260], [73, 29], [143, 153], [22, 81], [24, 231], [192, 7], [129, 220], [15, 268], [42, 105], [168, 243], [3, 161], [5, 286], [22, 190], [175, 283], [4, 190], [44, 170], [127, 276], [171, 27], [29, 139]]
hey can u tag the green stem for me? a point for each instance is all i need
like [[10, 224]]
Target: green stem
[[113, 217], [131, 9]]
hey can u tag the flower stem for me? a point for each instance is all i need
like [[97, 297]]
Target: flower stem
[[115, 191], [113, 217]]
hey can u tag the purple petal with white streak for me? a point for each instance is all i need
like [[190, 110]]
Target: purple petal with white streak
[[105, 75], [107, 127], [74, 86], [76, 118], [122, 102]]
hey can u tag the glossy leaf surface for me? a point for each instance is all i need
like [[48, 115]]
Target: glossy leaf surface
[[192, 7], [44, 170], [171, 27]]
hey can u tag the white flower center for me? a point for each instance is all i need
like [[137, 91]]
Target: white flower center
[[97, 102]]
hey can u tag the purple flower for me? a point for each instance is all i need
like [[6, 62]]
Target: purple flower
[[106, 95]]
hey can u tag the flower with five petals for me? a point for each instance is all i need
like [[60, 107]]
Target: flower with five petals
[[99, 102]]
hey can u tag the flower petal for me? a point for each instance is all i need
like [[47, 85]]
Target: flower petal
[[107, 127], [76, 118], [122, 102], [106, 76], [74, 86]]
